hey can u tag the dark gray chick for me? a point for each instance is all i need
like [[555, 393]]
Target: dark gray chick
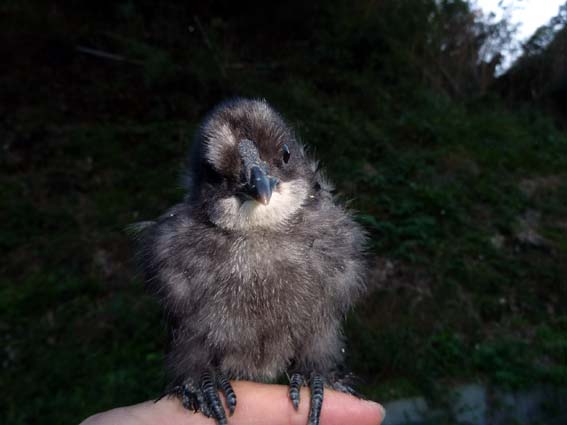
[[256, 268]]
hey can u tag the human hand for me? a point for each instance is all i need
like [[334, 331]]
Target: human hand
[[258, 404]]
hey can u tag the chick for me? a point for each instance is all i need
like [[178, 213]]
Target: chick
[[257, 266]]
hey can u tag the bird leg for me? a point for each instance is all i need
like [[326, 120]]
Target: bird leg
[[204, 397], [316, 383]]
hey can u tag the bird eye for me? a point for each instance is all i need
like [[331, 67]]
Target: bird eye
[[286, 154]]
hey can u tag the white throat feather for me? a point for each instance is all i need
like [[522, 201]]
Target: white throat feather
[[234, 214]]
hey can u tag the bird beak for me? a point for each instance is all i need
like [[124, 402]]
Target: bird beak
[[261, 185]]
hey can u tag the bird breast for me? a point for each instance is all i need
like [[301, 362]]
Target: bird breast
[[267, 303]]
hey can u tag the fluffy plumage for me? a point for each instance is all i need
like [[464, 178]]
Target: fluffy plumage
[[252, 290]]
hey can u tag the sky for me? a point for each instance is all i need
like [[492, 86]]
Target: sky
[[528, 14]]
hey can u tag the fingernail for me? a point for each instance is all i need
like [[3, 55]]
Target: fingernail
[[378, 407], [382, 412]]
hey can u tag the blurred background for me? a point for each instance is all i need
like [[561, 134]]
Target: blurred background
[[442, 124]]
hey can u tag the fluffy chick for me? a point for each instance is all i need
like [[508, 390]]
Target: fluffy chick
[[256, 268]]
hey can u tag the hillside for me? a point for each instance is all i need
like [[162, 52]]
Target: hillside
[[464, 193]]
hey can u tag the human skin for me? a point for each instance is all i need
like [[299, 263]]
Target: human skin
[[258, 404]]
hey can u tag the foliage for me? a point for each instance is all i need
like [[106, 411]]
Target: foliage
[[539, 75]]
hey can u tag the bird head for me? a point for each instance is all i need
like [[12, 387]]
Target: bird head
[[247, 169]]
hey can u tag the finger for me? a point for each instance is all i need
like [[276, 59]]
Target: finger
[[167, 411], [258, 404]]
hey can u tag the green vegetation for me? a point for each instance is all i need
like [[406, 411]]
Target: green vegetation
[[464, 195]]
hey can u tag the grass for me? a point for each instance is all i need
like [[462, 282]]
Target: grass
[[439, 183]]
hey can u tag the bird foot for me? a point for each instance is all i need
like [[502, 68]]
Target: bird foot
[[347, 389], [205, 398], [316, 383]]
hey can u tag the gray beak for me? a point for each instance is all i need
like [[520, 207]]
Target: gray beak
[[261, 185]]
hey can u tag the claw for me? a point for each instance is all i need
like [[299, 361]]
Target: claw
[[189, 399], [205, 397], [316, 384], [295, 383], [317, 388], [211, 394], [228, 392], [347, 389]]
